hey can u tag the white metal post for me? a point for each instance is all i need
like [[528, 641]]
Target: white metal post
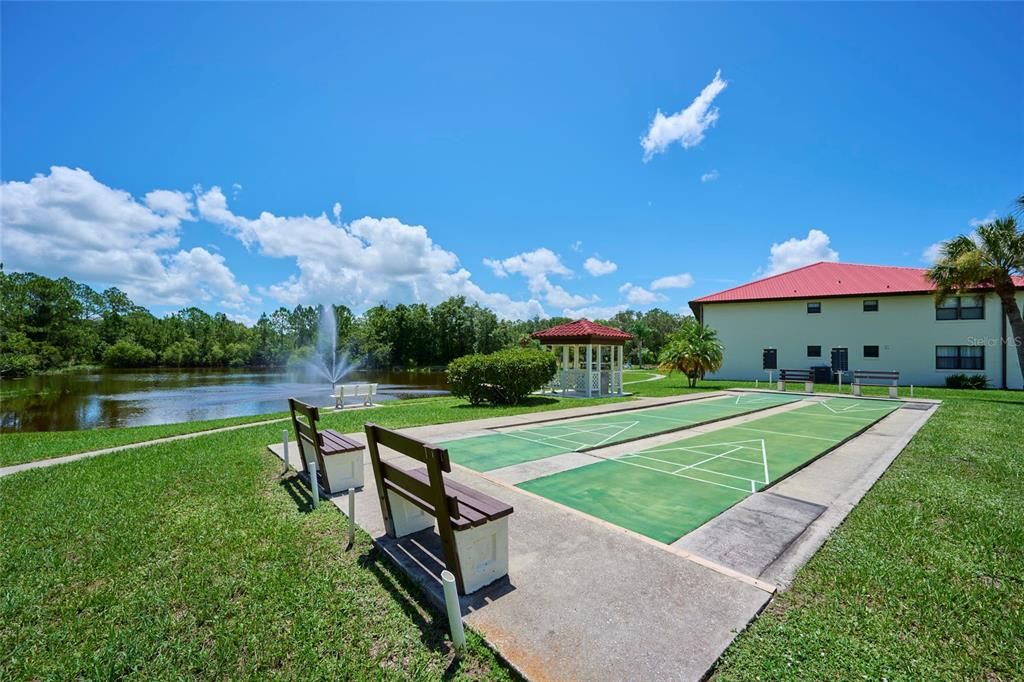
[[565, 369], [284, 455], [351, 517], [451, 602], [314, 485]]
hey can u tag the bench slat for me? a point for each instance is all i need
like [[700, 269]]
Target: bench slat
[[483, 504], [334, 442]]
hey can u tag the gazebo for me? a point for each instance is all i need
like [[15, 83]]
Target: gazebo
[[591, 357]]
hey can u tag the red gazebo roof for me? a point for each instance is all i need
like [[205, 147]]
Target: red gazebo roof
[[582, 331]]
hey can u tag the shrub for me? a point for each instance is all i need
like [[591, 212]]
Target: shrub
[[127, 353], [501, 378], [976, 381]]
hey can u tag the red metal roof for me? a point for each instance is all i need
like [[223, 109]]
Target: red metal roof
[[581, 331], [831, 279]]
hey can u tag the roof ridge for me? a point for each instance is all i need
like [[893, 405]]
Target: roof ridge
[[765, 279]]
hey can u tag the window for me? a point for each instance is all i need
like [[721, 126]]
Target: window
[[814, 351], [959, 357], [871, 306], [813, 308], [961, 308], [871, 351]]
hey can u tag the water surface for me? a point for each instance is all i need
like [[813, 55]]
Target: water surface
[[112, 398]]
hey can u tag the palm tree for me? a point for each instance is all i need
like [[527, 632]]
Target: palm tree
[[640, 330], [989, 258], [694, 350]]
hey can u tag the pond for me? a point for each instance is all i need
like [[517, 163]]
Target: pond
[[112, 398]]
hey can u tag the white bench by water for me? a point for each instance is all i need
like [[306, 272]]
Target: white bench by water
[[364, 391]]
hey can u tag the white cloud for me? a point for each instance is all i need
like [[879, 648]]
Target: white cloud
[[236, 189], [69, 224], [597, 267], [529, 264], [594, 312], [365, 262], [795, 253], [932, 254], [710, 176], [978, 222], [170, 202], [686, 127], [576, 246], [637, 295], [680, 281], [535, 266]]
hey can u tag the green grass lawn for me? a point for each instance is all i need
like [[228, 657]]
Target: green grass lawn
[[16, 448], [925, 579], [195, 559]]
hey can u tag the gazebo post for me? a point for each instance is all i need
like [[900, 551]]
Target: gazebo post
[[590, 369], [622, 348], [563, 379]]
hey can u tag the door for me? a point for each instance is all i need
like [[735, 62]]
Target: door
[[840, 360]]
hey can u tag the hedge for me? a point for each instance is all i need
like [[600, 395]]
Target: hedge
[[501, 378]]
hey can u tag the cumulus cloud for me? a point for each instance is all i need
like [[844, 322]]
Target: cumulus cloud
[[170, 202], [637, 295], [681, 281], [710, 176], [932, 254], [687, 127], [536, 266], [978, 222], [600, 312], [598, 267], [795, 253], [364, 262], [69, 224]]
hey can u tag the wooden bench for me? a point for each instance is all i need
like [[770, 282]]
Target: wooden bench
[[888, 378], [342, 391], [794, 375], [473, 526], [339, 460]]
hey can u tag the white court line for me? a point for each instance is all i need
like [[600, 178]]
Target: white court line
[[541, 442], [692, 478], [780, 433], [833, 417], [617, 433], [645, 456], [764, 458], [704, 461], [732, 442], [852, 408], [676, 464]]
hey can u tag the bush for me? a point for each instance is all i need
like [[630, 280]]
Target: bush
[[501, 378], [126, 353], [976, 381]]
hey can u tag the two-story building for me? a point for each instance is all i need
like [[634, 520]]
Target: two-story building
[[874, 317]]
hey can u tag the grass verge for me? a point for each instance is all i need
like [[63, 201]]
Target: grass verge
[[196, 559], [17, 448], [925, 579]]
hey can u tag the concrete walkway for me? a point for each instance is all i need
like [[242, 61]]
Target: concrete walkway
[[586, 600], [655, 377]]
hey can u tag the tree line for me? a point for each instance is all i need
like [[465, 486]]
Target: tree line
[[48, 324]]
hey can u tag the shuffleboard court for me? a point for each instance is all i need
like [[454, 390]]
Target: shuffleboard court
[[505, 448], [667, 491]]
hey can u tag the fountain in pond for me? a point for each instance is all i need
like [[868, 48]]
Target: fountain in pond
[[326, 360]]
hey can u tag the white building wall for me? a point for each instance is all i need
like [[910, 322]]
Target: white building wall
[[904, 328]]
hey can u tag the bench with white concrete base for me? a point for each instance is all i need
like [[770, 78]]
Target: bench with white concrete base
[[473, 526], [793, 375], [364, 391], [339, 460], [890, 378]]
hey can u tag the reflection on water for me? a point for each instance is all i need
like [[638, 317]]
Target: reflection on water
[[109, 398]]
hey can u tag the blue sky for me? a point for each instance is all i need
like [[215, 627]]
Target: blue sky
[[491, 149]]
